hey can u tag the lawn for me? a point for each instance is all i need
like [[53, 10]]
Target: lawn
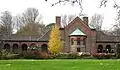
[[60, 64]]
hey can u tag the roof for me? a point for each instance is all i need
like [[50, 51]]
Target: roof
[[21, 38], [91, 27], [46, 36], [77, 32], [35, 38], [102, 37], [78, 20]]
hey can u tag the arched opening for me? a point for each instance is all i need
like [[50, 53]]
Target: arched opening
[[100, 48], [44, 48], [108, 49], [15, 48], [24, 47], [33, 46], [7, 47]]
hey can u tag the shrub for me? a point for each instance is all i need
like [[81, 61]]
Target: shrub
[[12, 56], [103, 55], [44, 55], [71, 55], [84, 55], [29, 54], [64, 56], [35, 54], [3, 54]]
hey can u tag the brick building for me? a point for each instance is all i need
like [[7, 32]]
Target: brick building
[[78, 36]]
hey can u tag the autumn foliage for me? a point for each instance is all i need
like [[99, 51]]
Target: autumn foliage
[[55, 43]]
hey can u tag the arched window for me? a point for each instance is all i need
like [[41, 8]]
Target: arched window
[[78, 41], [44, 48], [24, 47], [100, 49], [7, 47], [72, 41], [108, 49], [15, 48]]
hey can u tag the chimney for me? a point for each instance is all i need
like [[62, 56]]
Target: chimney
[[58, 21], [85, 20]]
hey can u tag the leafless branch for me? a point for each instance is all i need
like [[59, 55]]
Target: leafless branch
[[79, 2], [103, 3]]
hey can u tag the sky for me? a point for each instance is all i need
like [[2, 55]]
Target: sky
[[90, 7]]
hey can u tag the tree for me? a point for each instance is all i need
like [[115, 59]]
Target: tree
[[17, 22], [72, 2], [96, 21], [31, 23], [55, 43], [66, 19], [116, 27], [49, 26], [6, 23], [36, 28], [31, 16], [79, 2]]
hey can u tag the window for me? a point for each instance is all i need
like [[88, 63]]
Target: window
[[78, 49], [78, 41], [84, 41], [72, 41]]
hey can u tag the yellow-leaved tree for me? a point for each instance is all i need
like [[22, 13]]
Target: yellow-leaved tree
[[55, 43]]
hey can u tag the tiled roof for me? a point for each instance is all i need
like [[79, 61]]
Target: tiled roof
[[104, 37], [21, 38], [77, 32], [45, 37]]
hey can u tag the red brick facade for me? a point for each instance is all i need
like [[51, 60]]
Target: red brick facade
[[93, 41]]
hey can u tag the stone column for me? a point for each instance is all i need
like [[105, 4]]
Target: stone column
[[73, 47], [82, 47]]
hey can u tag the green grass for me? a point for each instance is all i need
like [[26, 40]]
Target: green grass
[[60, 64]]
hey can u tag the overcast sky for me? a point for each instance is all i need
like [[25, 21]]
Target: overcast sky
[[90, 7]]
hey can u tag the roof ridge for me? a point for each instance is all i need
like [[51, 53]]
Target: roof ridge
[[43, 35]]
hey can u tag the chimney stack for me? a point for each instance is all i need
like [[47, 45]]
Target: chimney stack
[[85, 20], [58, 21]]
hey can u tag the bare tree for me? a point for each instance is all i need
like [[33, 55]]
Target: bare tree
[[79, 2], [6, 23], [66, 19], [96, 21], [31, 16], [72, 2], [30, 23], [17, 23]]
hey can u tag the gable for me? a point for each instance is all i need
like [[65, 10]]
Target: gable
[[77, 23], [77, 19]]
